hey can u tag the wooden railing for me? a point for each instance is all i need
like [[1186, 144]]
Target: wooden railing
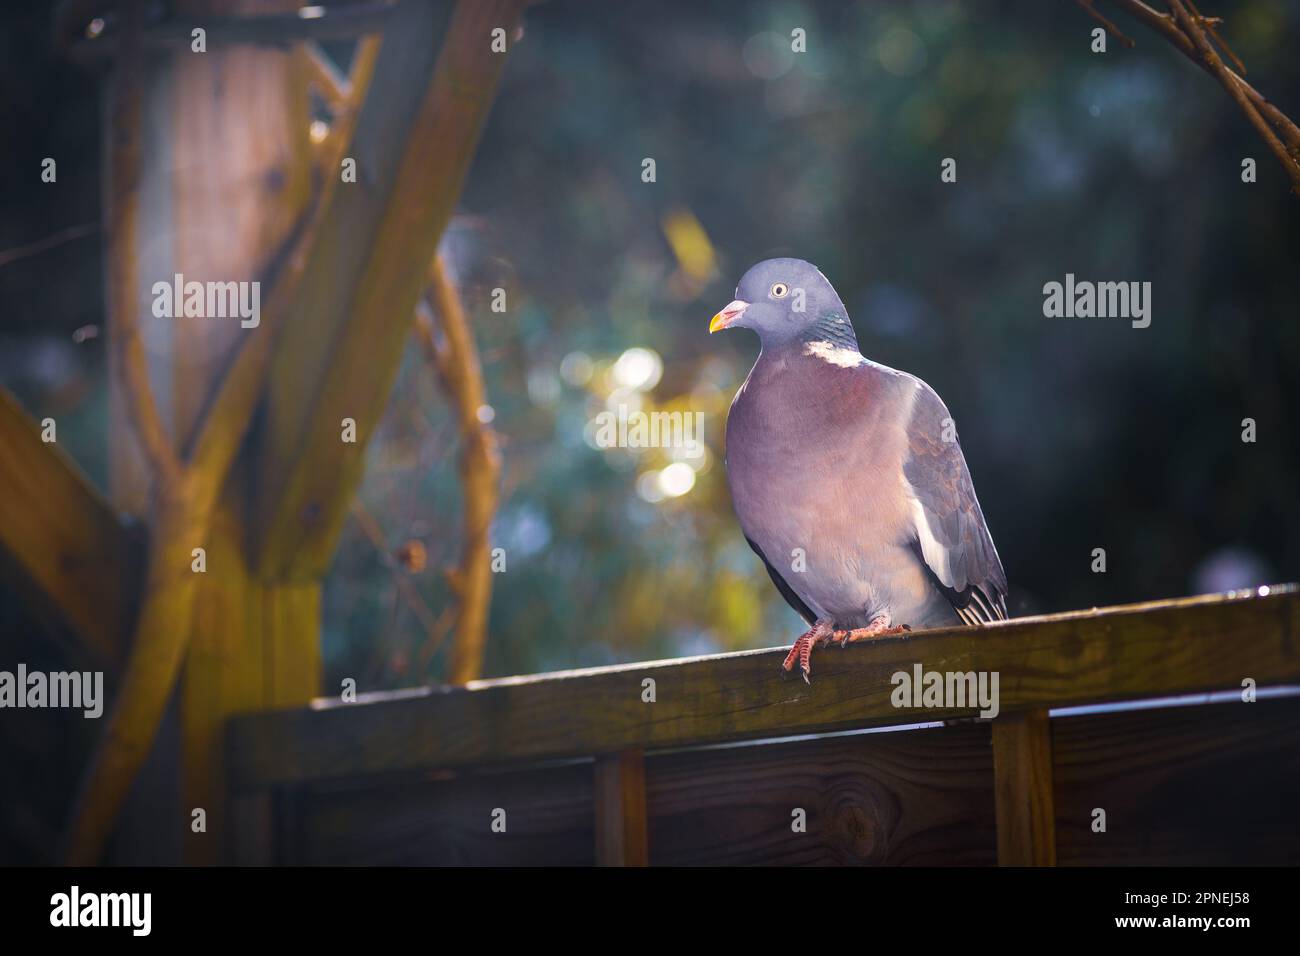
[[620, 764]]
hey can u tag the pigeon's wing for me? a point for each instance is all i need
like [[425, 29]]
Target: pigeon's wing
[[787, 592], [951, 537]]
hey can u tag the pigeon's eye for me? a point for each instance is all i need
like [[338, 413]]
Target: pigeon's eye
[[779, 290]]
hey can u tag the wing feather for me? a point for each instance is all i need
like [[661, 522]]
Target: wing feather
[[952, 538]]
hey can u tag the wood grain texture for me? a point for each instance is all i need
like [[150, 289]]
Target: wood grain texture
[[916, 797], [240, 180], [1149, 650], [62, 542], [1022, 787], [620, 800], [1217, 784], [253, 646], [441, 822]]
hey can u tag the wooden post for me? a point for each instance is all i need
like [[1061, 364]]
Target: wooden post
[[620, 810], [1022, 788], [225, 175]]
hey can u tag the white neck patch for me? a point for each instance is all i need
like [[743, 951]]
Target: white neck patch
[[835, 354]]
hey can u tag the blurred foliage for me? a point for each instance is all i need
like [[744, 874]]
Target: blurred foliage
[[1080, 433]]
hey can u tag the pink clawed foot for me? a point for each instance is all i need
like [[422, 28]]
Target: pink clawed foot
[[819, 633], [879, 626]]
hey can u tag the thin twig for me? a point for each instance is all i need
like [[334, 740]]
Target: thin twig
[[1166, 26], [1210, 25], [49, 242], [456, 360], [1231, 83], [435, 627], [1113, 30]]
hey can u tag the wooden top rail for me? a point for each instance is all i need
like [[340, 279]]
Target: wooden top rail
[[1144, 650]]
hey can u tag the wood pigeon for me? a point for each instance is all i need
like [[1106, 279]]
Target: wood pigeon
[[847, 476]]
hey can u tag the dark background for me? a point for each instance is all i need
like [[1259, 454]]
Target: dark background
[[1080, 433]]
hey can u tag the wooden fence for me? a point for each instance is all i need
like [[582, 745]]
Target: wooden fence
[[721, 767]]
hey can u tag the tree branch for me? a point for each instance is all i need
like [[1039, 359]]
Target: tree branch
[[1113, 30], [461, 375], [49, 242], [1231, 82], [1210, 24], [1169, 27], [435, 626]]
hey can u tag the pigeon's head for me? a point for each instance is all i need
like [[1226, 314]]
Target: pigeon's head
[[783, 300]]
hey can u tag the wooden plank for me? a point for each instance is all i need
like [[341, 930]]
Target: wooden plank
[[62, 542], [620, 809], [290, 624], [1210, 785], [238, 173], [1022, 786], [254, 646], [543, 816], [340, 348], [250, 832], [1149, 650], [918, 797]]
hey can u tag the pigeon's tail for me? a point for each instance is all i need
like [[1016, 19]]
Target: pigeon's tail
[[973, 604], [980, 608]]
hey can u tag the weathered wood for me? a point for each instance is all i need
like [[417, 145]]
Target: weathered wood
[[1022, 786], [1208, 785], [218, 177], [237, 171], [251, 830], [290, 623], [240, 181], [918, 797], [620, 798], [62, 542], [342, 342], [254, 646], [1146, 650], [543, 817]]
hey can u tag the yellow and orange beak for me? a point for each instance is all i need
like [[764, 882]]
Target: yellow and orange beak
[[728, 316]]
